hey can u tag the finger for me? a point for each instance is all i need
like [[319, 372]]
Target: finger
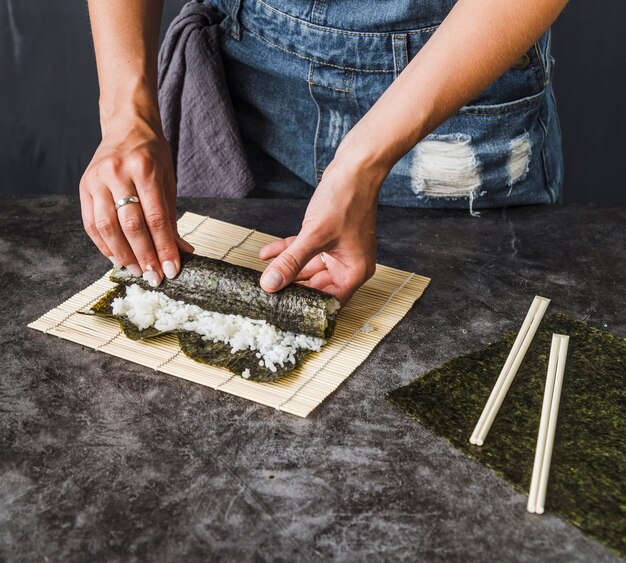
[[319, 280], [342, 294], [108, 227], [313, 267], [137, 235], [156, 214], [86, 211], [274, 248], [345, 284], [183, 244], [287, 265], [339, 281]]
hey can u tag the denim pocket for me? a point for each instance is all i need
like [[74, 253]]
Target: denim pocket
[[483, 156], [525, 79]]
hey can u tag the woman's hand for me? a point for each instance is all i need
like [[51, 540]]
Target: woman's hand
[[340, 221], [133, 160]]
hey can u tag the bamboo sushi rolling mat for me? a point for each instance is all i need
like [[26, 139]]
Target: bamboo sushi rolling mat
[[381, 302]]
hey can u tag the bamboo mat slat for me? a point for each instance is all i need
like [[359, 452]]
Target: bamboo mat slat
[[381, 302]]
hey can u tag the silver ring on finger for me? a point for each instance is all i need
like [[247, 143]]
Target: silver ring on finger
[[125, 201], [323, 260]]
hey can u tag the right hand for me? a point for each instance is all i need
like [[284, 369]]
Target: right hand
[[134, 160]]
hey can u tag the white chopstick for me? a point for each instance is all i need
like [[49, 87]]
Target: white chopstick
[[547, 425], [512, 364]]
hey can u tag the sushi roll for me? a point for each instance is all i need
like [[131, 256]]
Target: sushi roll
[[221, 316]]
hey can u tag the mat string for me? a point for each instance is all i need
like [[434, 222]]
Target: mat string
[[173, 357], [72, 313], [110, 340], [200, 223], [347, 342], [224, 382], [237, 245]]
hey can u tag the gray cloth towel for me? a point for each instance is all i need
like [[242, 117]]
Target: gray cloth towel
[[196, 109]]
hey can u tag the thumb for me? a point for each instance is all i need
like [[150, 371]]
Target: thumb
[[286, 266]]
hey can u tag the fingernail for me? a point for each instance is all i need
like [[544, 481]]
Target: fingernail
[[272, 279], [152, 278], [135, 270], [116, 263], [170, 269]]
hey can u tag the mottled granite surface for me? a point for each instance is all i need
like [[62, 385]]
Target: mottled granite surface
[[101, 459]]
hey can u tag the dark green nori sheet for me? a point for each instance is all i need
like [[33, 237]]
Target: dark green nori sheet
[[103, 309], [587, 484], [219, 354], [225, 288], [193, 346]]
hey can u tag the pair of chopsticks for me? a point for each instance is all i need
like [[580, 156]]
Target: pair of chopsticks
[[551, 399], [547, 426], [509, 371]]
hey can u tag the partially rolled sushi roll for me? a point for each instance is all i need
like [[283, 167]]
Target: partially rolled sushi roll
[[226, 288], [221, 316]]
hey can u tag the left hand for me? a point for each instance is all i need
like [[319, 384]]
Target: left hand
[[340, 221]]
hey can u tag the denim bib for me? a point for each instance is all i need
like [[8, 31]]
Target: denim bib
[[302, 73]]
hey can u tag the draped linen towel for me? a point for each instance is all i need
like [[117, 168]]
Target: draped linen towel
[[196, 108]]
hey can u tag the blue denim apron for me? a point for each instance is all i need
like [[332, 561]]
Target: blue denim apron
[[302, 73]]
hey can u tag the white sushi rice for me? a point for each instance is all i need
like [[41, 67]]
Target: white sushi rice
[[272, 346]]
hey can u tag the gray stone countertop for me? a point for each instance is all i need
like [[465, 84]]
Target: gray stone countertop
[[102, 459]]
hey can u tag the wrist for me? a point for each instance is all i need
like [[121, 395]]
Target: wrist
[[361, 159], [374, 146], [131, 103]]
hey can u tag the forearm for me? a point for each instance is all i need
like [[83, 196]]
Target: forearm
[[475, 44], [126, 35]]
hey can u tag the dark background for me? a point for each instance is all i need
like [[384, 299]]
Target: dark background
[[49, 113]]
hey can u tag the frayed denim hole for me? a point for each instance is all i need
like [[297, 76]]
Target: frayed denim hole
[[446, 166], [520, 150]]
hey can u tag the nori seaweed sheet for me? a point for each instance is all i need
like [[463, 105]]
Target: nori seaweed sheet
[[226, 288], [193, 346], [587, 484]]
